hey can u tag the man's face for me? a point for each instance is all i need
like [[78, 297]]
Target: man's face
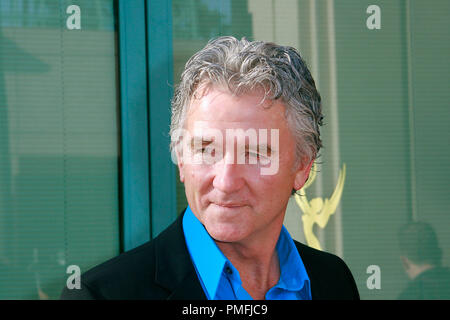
[[233, 200]]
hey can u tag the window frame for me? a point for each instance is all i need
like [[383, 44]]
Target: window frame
[[148, 188]]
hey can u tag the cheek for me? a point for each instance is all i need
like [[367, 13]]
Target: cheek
[[272, 189], [195, 178]]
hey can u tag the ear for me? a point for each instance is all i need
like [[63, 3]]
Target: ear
[[302, 174], [180, 165]]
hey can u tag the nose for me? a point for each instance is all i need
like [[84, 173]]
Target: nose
[[229, 177]]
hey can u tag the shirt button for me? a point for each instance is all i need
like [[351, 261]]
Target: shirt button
[[228, 270]]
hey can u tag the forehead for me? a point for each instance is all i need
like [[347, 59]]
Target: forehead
[[221, 109]]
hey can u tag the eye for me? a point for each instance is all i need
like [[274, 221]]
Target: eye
[[200, 150], [207, 150], [260, 158]]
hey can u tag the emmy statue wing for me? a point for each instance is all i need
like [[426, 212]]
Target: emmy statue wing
[[331, 204], [302, 202]]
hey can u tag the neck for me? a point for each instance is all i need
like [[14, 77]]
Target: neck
[[416, 270], [257, 262]]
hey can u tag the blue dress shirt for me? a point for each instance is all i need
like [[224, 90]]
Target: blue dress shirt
[[220, 280]]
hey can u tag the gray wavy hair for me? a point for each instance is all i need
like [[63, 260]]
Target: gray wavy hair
[[242, 66]]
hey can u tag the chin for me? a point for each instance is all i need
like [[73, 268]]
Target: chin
[[226, 224], [226, 232], [225, 238]]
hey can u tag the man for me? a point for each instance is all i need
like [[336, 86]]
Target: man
[[245, 133], [421, 257]]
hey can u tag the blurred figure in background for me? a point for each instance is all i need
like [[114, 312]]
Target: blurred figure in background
[[421, 257]]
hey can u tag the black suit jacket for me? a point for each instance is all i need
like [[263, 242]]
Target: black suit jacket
[[162, 269]]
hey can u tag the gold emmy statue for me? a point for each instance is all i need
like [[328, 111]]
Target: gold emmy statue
[[317, 210]]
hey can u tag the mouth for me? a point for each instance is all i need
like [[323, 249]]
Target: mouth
[[228, 205]]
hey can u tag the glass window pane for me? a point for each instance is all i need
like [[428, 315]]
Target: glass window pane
[[58, 143]]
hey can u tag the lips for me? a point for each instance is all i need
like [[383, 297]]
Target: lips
[[229, 205]]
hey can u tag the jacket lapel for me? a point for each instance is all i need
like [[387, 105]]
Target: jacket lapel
[[174, 268], [188, 289]]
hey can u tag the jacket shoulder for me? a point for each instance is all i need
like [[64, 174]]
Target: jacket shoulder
[[122, 277], [330, 277], [131, 274]]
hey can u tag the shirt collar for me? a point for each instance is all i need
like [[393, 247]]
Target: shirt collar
[[210, 262], [293, 274]]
